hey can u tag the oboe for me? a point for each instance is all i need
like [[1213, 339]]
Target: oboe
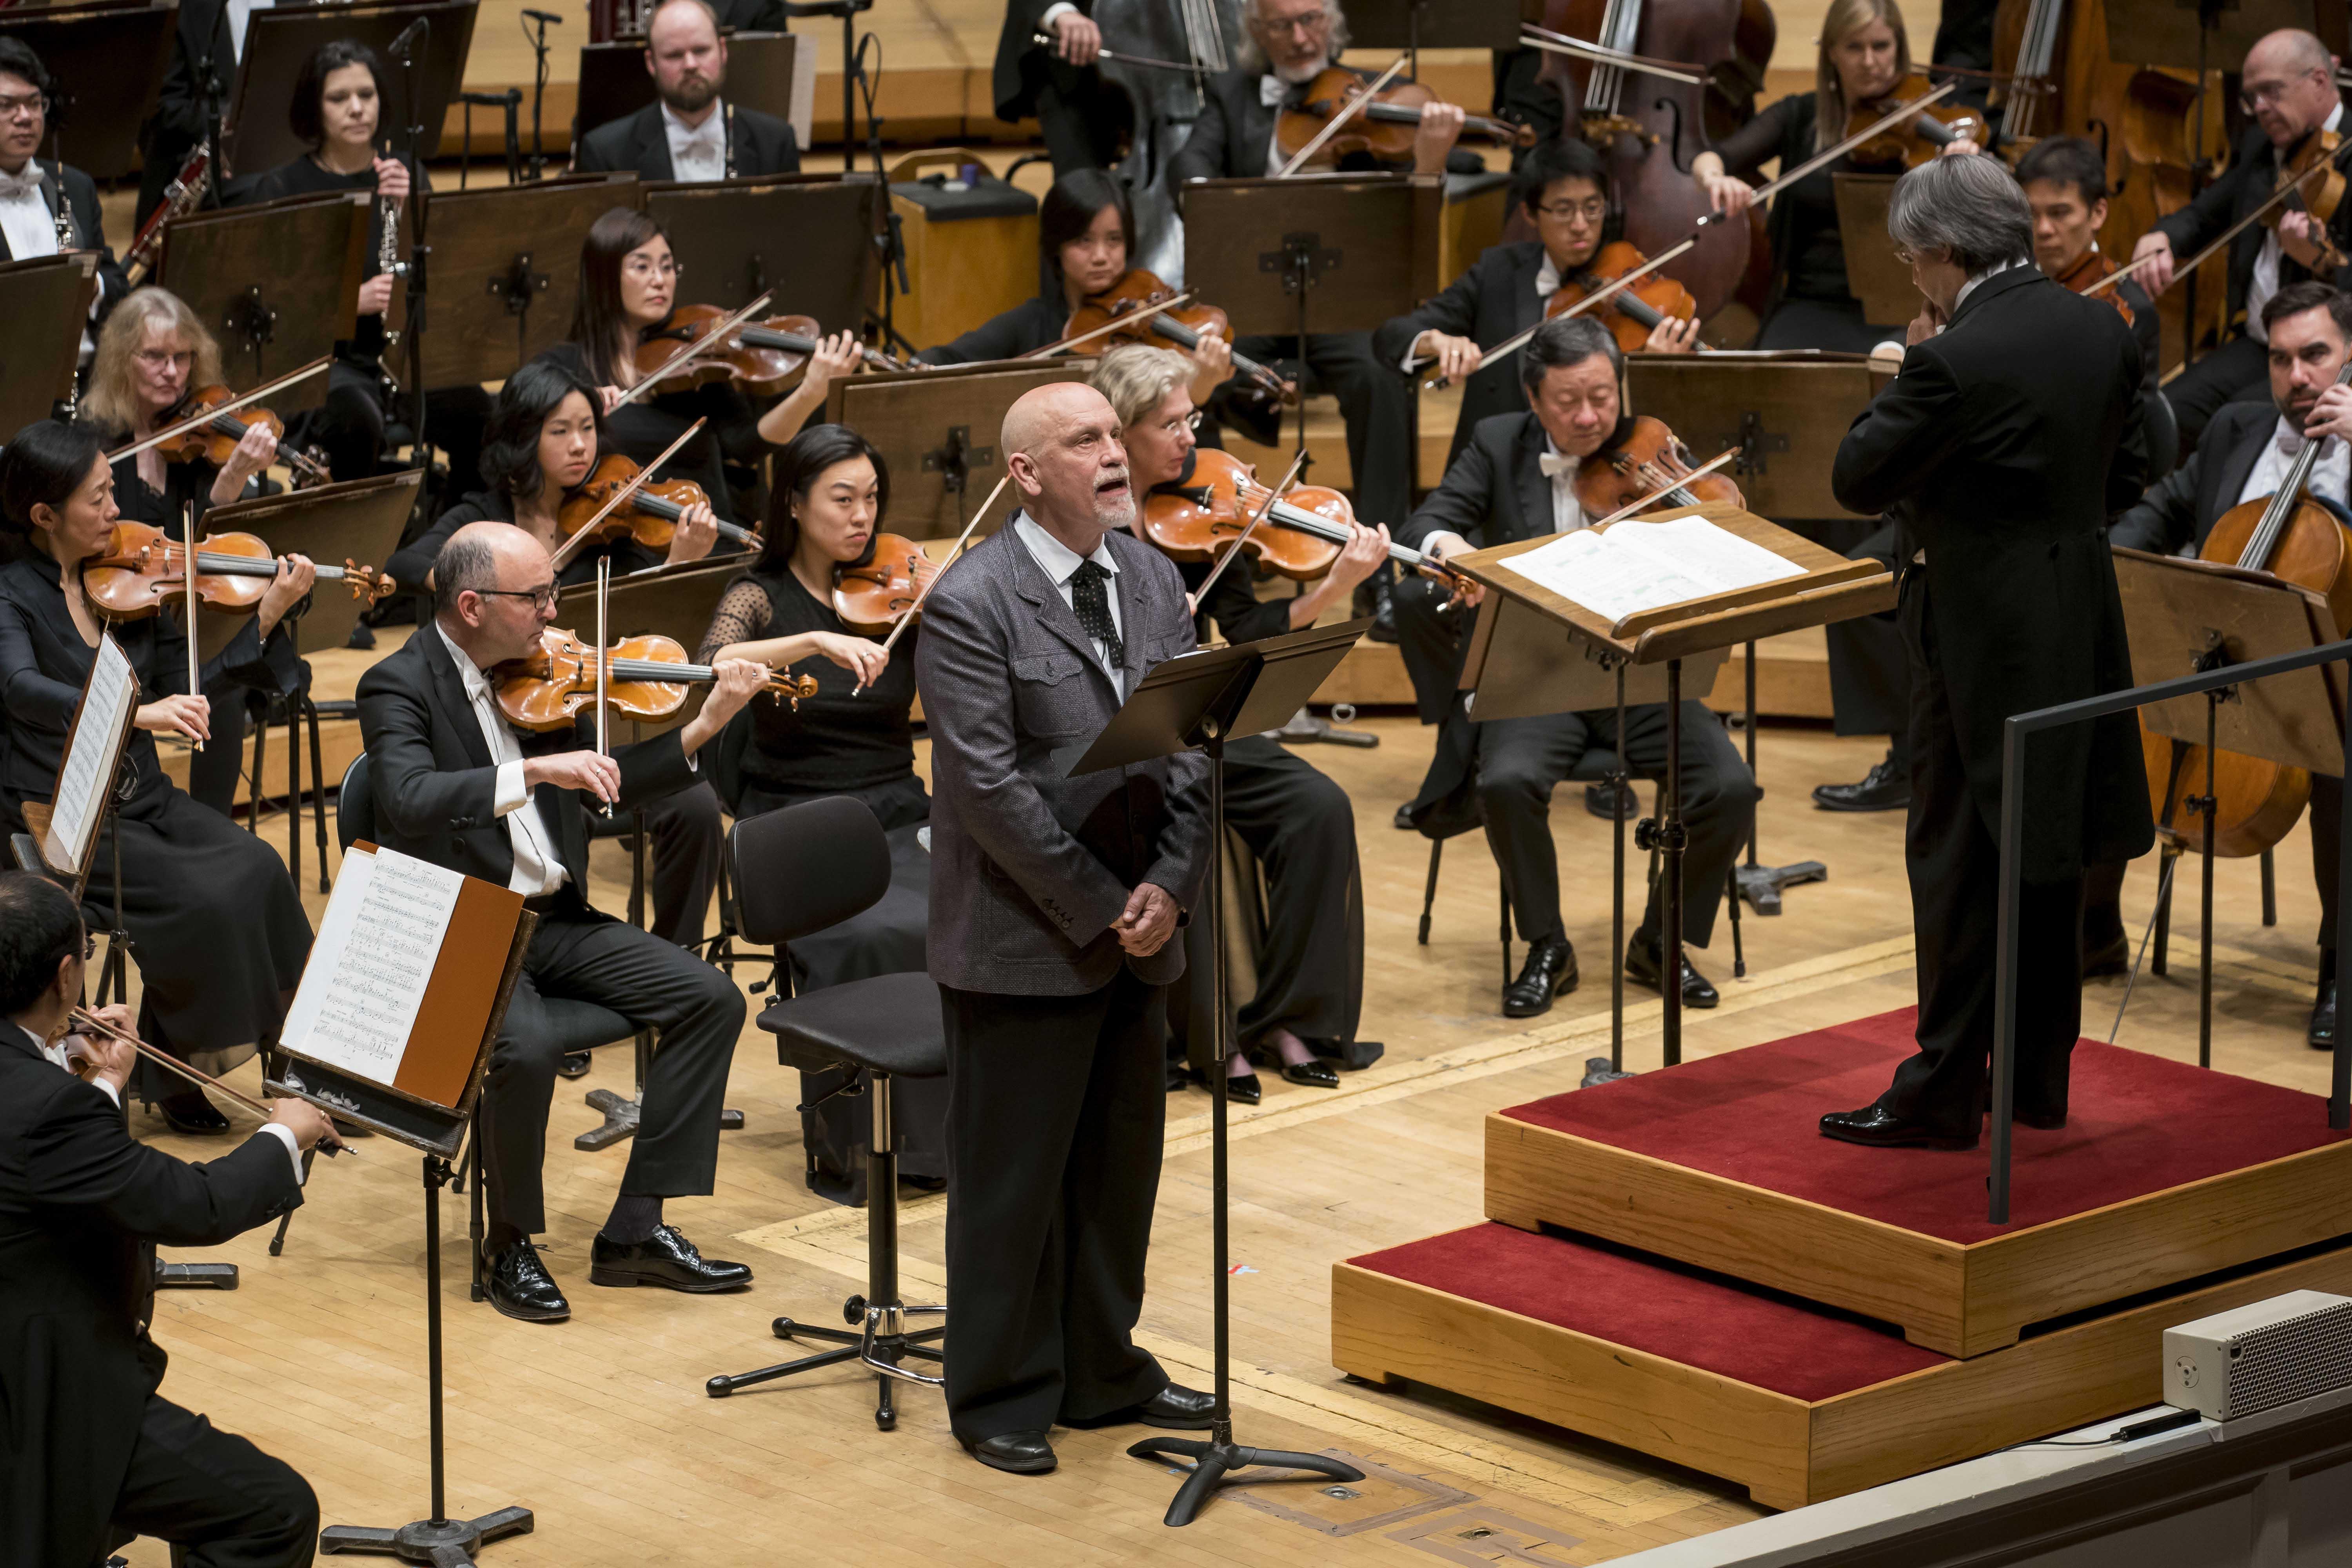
[[387, 254]]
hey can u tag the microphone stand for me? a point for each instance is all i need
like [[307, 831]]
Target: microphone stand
[[543, 19], [404, 50]]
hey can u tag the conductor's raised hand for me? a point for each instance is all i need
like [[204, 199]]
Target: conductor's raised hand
[[191, 716], [1147, 922], [594, 772]]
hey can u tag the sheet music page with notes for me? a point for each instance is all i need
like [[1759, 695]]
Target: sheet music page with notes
[[110, 702], [371, 963], [1637, 565]]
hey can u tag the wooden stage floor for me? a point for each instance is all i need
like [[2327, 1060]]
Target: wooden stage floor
[[601, 1425]]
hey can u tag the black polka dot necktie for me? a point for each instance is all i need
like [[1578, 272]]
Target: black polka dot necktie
[[1090, 599]]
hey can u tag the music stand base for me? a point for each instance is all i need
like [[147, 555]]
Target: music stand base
[[195, 1276], [621, 1113], [447, 1543], [1598, 1070], [1214, 1460], [1304, 727], [1761, 886]]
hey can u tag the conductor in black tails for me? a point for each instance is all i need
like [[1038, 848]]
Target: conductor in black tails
[[689, 131], [90, 1451], [1081, 117], [2008, 439]]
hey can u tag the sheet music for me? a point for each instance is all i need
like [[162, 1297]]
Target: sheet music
[[107, 705], [371, 963], [1638, 566]]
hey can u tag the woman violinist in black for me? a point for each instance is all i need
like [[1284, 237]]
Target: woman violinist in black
[[214, 920]]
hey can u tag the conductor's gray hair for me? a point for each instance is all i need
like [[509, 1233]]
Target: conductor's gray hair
[[1558, 343], [463, 563], [1249, 56], [1968, 209]]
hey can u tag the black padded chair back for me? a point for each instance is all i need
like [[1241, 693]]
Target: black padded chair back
[[808, 866], [2162, 428], [355, 805]]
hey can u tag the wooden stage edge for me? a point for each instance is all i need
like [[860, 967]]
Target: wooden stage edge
[[1787, 1451]]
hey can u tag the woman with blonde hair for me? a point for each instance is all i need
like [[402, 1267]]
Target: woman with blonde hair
[[152, 354]]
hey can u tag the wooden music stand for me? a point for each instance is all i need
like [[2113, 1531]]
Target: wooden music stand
[[938, 431], [2186, 618], [808, 238], [107, 61], [1534, 651], [764, 71], [1877, 277], [255, 275], [278, 39], [46, 302], [1786, 411], [506, 272]]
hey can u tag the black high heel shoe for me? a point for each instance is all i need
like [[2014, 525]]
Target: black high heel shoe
[[1313, 1073], [1242, 1090], [192, 1114]]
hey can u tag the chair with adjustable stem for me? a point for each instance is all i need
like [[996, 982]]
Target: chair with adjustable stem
[[798, 871]]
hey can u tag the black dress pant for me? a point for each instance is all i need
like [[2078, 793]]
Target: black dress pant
[[2237, 371], [1081, 118], [696, 1011], [1429, 636], [1870, 674], [1521, 760], [1311, 963], [1377, 402], [1953, 863], [213, 1494], [688, 838], [1056, 1109]]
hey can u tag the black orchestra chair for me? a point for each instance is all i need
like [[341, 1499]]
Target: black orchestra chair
[[798, 871]]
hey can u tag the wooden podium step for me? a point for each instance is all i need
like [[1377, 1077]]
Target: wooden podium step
[[2164, 1173], [1795, 1401]]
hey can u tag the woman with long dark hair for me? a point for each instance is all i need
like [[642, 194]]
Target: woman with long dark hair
[[831, 495], [214, 920]]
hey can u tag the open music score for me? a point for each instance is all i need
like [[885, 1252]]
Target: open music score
[[1619, 571], [101, 723]]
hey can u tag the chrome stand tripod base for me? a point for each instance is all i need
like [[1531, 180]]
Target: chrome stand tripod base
[[1761, 885], [1214, 1460], [447, 1543]]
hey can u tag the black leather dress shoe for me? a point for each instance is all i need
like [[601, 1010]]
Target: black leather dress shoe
[[2110, 957], [1383, 611], [1886, 787], [520, 1287], [573, 1065], [1878, 1128], [2322, 1030], [1596, 801], [1023, 1453], [1175, 1407], [1180, 1077], [2041, 1120], [193, 1114], [1242, 1089], [1642, 968], [665, 1257], [1403, 820], [1550, 971]]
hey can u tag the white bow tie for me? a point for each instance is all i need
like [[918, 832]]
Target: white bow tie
[[2290, 441], [1272, 90], [1547, 281], [24, 182], [1555, 464]]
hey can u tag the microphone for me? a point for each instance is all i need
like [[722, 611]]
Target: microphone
[[408, 35], [550, 18]]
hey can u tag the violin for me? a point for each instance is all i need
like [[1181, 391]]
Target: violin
[[1383, 130], [1304, 532], [1632, 313], [651, 515], [871, 597], [142, 567], [762, 359], [216, 439], [2093, 266], [1919, 138], [1645, 457], [645, 679], [1137, 291], [2315, 176]]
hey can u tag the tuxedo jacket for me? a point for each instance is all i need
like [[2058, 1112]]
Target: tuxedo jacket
[[1493, 301], [2181, 507], [2006, 444], [64, 183], [82, 1206], [1022, 64], [763, 145], [2253, 173], [1494, 491], [437, 788]]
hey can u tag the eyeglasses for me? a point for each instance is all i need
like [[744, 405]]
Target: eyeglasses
[[667, 268], [89, 948], [30, 104], [541, 598], [1189, 422], [1306, 21], [165, 359], [1592, 211], [2258, 94]]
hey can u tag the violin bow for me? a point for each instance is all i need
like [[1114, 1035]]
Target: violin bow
[[329, 1146], [571, 547], [1842, 149], [1047, 40], [1115, 324], [1656, 496], [1535, 37], [1599, 296], [2290, 188], [603, 665], [694, 348], [181, 426], [1345, 112], [907, 617], [1265, 509], [188, 582]]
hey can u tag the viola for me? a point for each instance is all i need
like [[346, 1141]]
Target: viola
[[2315, 176], [1302, 535], [2089, 269], [1918, 137], [1382, 130], [645, 679], [1137, 291], [142, 567], [871, 597], [215, 440], [1632, 313], [650, 517], [1644, 458], [761, 358]]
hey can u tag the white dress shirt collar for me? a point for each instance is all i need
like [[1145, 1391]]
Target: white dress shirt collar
[[698, 152], [1559, 468], [1969, 287], [1060, 562], [537, 867]]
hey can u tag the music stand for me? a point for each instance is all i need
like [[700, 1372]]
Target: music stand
[[809, 238], [46, 302], [1315, 253], [1417, 24], [1877, 276], [279, 39], [2191, 616], [258, 277], [506, 272], [108, 62], [762, 73], [1194, 702], [938, 431]]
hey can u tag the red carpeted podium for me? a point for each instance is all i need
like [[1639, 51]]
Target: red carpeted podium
[[1810, 1318]]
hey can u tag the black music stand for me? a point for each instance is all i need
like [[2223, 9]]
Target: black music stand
[[46, 302], [938, 430], [281, 39], [108, 62], [614, 82], [808, 238], [1413, 26], [252, 275], [506, 272], [1194, 702]]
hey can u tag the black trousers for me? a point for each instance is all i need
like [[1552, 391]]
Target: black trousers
[[1520, 761], [212, 1493], [1311, 963], [1954, 864], [1870, 674], [694, 1009], [2236, 371], [1429, 636], [1377, 402], [688, 836], [1080, 118], [1056, 1109]]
